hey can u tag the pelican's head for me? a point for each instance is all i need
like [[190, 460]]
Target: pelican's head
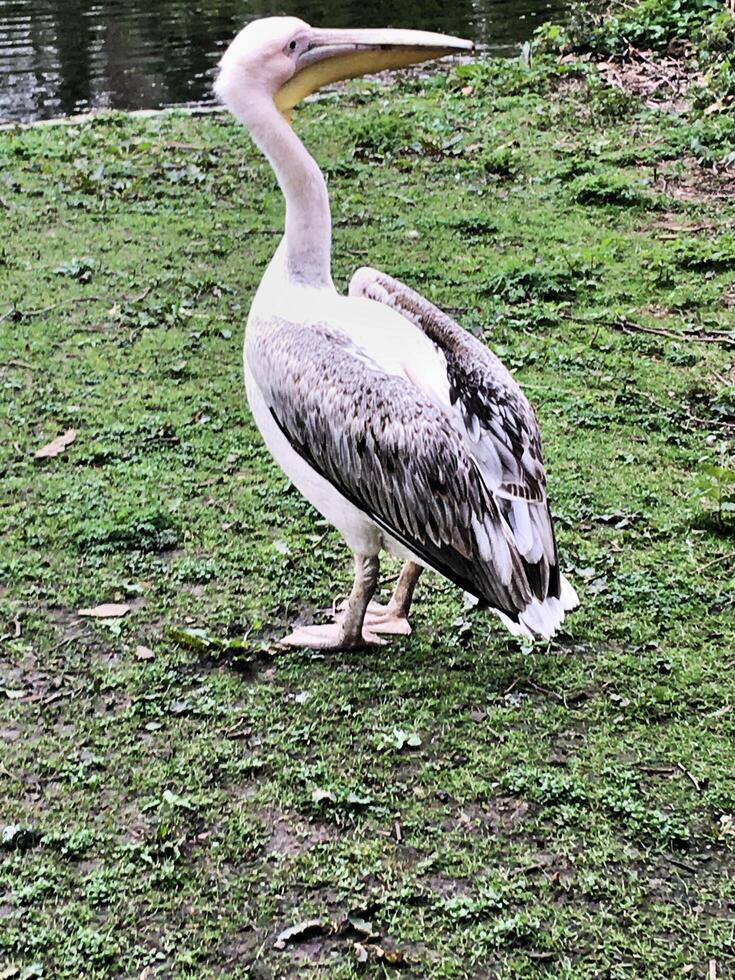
[[285, 59]]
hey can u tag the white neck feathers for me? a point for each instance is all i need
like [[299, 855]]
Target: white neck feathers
[[308, 236]]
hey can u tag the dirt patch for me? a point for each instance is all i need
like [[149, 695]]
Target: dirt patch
[[443, 887], [291, 836], [697, 185], [502, 814], [670, 225], [660, 81]]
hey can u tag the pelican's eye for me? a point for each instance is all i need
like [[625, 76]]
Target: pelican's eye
[[292, 46]]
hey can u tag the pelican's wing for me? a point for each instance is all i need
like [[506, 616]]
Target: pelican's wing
[[498, 429], [396, 456]]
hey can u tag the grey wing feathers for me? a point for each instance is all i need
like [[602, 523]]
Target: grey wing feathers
[[497, 422], [390, 451]]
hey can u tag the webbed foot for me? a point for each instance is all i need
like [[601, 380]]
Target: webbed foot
[[333, 636], [381, 619]]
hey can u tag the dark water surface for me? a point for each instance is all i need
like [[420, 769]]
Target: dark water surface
[[64, 56]]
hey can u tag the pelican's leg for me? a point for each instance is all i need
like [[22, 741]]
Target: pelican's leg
[[393, 618], [349, 633]]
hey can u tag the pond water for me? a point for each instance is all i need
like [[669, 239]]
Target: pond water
[[64, 56]]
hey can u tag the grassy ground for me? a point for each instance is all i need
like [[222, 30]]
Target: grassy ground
[[455, 805]]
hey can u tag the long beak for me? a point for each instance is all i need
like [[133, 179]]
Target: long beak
[[334, 55]]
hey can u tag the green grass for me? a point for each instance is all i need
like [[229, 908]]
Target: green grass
[[556, 810]]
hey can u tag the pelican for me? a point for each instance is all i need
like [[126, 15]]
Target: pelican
[[402, 429]]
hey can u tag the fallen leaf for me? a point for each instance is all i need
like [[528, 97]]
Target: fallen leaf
[[401, 739], [194, 638], [391, 956], [320, 795], [302, 930], [108, 610], [32, 972], [17, 838], [14, 694], [179, 707], [56, 446], [144, 653], [362, 926], [353, 799], [174, 800]]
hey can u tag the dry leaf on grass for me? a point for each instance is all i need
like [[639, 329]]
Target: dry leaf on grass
[[108, 610], [56, 446], [366, 951], [302, 930]]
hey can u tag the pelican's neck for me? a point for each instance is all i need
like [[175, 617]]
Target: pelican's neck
[[308, 236]]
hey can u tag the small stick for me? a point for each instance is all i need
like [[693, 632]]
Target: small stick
[[715, 561], [18, 364], [62, 643], [55, 306], [628, 326], [682, 864], [690, 777], [724, 710], [15, 634], [139, 297]]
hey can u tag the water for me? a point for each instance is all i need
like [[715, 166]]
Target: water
[[59, 57]]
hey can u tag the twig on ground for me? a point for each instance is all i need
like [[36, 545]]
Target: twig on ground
[[692, 779], [715, 561], [63, 302], [692, 869], [63, 643], [15, 634], [624, 325], [665, 770], [138, 297], [724, 710], [239, 730], [24, 314], [56, 696], [527, 868], [19, 364]]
